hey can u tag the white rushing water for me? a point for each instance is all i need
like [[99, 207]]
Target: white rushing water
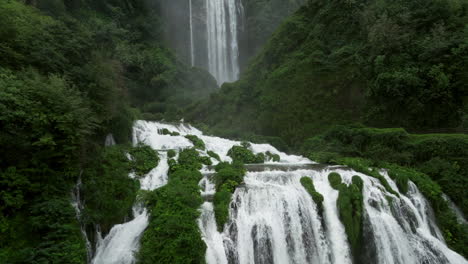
[[273, 219], [120, 245], [223, 19]]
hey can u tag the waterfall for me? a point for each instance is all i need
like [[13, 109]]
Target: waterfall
[[192, 49], [223, 20], [78, 206], [274, 220]]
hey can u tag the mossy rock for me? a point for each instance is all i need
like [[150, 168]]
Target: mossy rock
[[308, 184], [214, 155], [335, 180], [196, 141], [171, 153]]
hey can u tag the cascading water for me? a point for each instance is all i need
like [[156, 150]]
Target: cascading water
[[223, 20], [273, 219]]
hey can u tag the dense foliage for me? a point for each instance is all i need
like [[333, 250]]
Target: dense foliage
[[384, 63], [144, 159], [69, 73], [108, 193], [173, 235], [227, 178], [244, 155]]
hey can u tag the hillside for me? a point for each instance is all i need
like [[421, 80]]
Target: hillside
[[385, 64]]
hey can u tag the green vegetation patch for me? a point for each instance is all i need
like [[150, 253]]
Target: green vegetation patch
[[244, 155], [350, 207], [214, 155], [227, 178], [144, 159], [365, 167], [196, 141], [308, 184], [272, 157], [335, 180], [171, 153], [108, 192], [166, 131], [173, 235]]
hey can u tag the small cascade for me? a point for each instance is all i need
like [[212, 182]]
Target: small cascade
[[78, 205], [458, 213], [207, 223], [110, 141]]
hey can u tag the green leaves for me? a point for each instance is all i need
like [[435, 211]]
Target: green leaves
[[144, 159]]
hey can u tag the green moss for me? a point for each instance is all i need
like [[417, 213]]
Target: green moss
[[335, 180], [365, 167], [350, 207], [227, 178], [144, 159], [174, 211], [316, 196], [272, 157], [214, 155], [196, 141], [171, 153]]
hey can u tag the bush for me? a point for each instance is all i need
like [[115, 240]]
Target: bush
[[244, 155], [144, 159], [171, 153], [108, 192]]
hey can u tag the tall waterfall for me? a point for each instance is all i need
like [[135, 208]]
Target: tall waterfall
[[273, 219], [223, 49]]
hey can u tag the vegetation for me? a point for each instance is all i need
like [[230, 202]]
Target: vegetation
[[350, 207], [227, 178], [329, 64], [108, 192], [171, 153], [444, 157], [406, 150], [272, 157], [144, 159], [244, 155], [174, 208], [196, 141], [316, 196], [214, 155]]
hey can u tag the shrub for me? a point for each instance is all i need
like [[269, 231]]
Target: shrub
[[144, 159], [244, 155], [171, 153]]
